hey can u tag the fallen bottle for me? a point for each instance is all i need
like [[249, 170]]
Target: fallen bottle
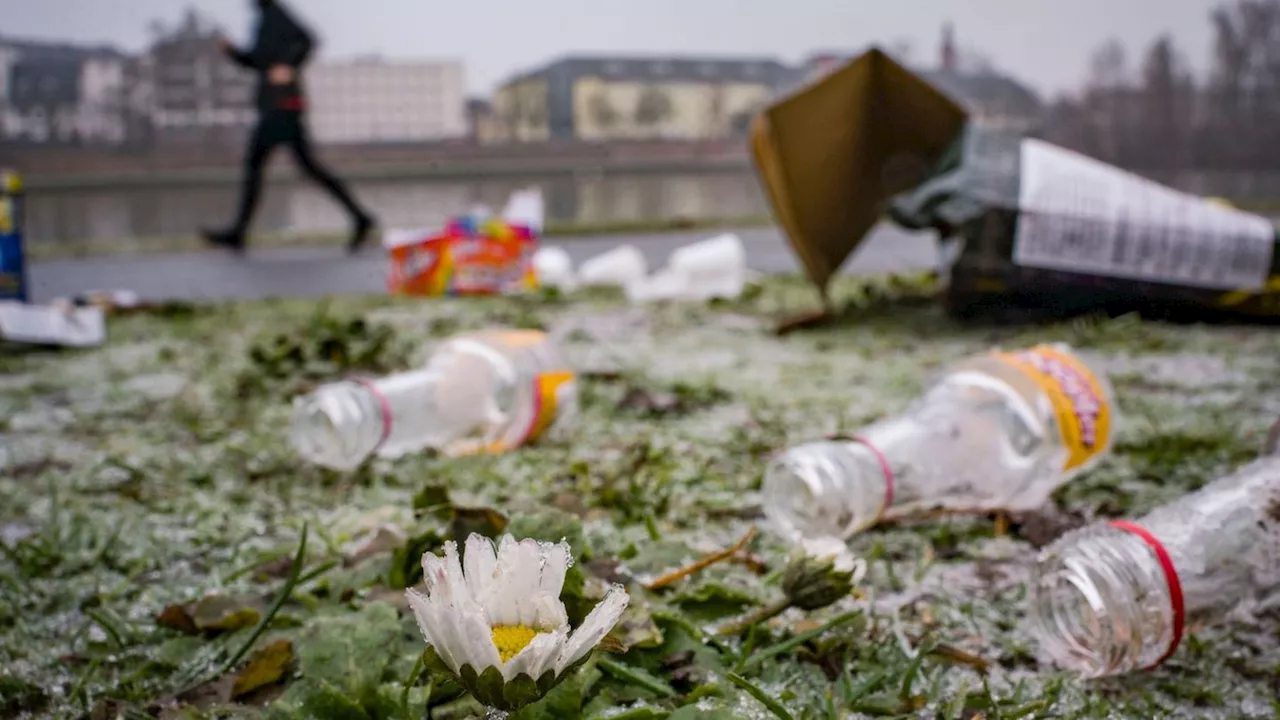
[[1118, 596], [998, 431], [482, 392]]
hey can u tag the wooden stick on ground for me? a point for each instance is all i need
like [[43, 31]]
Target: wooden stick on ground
[[702, 563]]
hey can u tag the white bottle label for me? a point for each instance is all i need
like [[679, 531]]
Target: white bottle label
[[1077, 214]]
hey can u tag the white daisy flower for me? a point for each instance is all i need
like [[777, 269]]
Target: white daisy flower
[[495, 621]]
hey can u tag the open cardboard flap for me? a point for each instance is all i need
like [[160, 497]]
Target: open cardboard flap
[[832, 154]]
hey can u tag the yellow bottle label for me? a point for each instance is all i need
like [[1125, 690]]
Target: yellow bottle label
[[1077, 397], [6, 215], [548, 400]]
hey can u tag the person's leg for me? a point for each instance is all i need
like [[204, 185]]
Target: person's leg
[[266, 135], [300, 143]]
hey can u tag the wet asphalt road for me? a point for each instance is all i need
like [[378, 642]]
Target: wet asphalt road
[[314, 272]]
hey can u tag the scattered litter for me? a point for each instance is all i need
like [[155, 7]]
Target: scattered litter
[[708, 269], [62, 324], [474, 254], [554, 269], [619, 267]]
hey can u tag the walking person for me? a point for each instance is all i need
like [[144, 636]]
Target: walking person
[[280, 49]]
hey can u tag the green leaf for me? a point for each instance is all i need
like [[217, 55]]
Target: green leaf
[[481, 521], [710, 601], [552, 525], [323, 701], [350, 651], [406, 561], [217, 612], [434, 500], [691, 712]]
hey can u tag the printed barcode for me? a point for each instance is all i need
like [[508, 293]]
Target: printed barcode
[[1143, 251]]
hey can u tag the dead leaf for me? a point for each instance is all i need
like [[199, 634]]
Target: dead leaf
[[176, 617], [265, 667], [650, 402], [482, 520], [212, 693], [224, 613], [383, 538]]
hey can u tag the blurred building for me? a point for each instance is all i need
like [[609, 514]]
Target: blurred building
[[620, 98], [482, 125], [384, 101], [196, 95], [60, 94]]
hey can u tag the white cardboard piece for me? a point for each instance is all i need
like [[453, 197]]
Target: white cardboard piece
[[62, 325]]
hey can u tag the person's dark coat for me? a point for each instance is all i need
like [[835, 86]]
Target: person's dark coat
[[280, 40]]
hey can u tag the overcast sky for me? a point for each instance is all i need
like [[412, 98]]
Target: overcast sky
[[1046, 43]]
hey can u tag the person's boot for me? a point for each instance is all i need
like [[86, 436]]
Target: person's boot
[[360, 232], [226, 239]]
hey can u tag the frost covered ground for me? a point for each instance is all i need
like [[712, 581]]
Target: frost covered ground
[[152, 509]]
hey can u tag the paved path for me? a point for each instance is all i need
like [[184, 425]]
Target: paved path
[[311, 272]]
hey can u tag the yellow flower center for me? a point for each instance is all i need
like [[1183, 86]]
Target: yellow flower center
[[511, 639]]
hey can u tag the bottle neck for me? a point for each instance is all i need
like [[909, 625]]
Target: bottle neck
[[1102, 602], [833, 488], [341, 424]]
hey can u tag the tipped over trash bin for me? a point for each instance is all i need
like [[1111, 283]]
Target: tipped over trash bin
[[1026, 225]]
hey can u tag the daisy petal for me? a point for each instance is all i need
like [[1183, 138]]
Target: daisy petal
[[556, 560], [598, 624], [480, 562], [535, 657], [457, 579], [434, 574], [548, 612], [476, 640], [522, 577], [431, 627]]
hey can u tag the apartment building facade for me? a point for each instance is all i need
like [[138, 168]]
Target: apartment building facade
[[618, 98], [371, 101], [60, 94]]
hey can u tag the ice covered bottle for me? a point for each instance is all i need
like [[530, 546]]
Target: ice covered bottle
[[1001, 430], [480, 392], [1118, 596]]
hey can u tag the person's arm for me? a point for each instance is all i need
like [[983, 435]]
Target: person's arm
[[238, 56]]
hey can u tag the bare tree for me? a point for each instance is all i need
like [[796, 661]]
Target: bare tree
[[1244, 86], [1109, 66], [1164, 111]]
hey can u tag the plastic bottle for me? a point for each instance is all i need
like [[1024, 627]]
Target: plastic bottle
[[481, 392], [1001, 430], [1118, 596]]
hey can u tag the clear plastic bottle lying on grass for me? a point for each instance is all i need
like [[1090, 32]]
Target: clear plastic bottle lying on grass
[[1118, 596], [482, 392], [999, 431]]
